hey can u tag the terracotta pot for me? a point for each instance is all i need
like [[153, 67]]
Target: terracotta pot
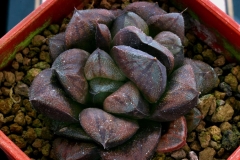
[[211, 25]]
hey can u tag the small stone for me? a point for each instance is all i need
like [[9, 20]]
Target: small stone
[[26, 61], [220, 61], [204, 139], [46, 133], [5, 92], [207, 154], [37, 143], [47, 33], [198, 48], [2, 78], [226, 88], [37, 123], [31, 74], [232, 81], [15, 65], [201, 126], [41, 65], [191, 137], [9, 118], [198, 57], [235, 70], [236, 118], [219, 95], [18, 140], [230, 140], [9, 77], [34, 60], [21, 89], [223, 113], [38, 40], [218, 71], [19, 57], [195, 146], [15, 128], [220, 102], [5, 105], [15, 108], [38, 131], [229, 66], [18, 76], [2, 120], [25, 51], [215, 133], [44, 48], [28, 151], [192, 155], [215, 145], [220, 152], [206, 103], [20, 119], [28, 120], [46, 149], [225, 126], [45, 56], [209, 55], [54, 28], [32, 113], [5, 130], [191, 37], [27, 105], [179, 154], [30, 135]]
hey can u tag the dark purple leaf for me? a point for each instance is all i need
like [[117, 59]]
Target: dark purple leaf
[[144, 70], [106, 129]]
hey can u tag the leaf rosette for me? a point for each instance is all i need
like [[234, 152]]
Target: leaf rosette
[[116, 78]]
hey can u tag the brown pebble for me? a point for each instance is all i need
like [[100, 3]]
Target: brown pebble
[[207, 154], [29, 135], [19, 57], [25, 51], [37, 143], [191, 136], [204, 139], [26, 61], [9, 118], [20, 118], [15, 128], [195, 145], [5, 105], [9, 77], [18, 140], [15, 65], [28, 120], [38, 40], [225, 126], [179, 154], [220, 61], [5, 130]]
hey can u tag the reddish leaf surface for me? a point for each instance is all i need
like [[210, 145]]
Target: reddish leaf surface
[[135, 38], [127, 101], [141, 147], [147, 73], [80, 32], [57, 45], [65, 149], [106, 129], [180, 97], [69, 67], [48, 98], [103, 37], [174, 138], [173, 22], [145, 9]]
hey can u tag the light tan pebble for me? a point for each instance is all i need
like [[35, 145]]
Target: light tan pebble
[[26, 61], [5, 105], [25, 51], [232, 81], [201, 126], [9, 77], [38, 40], [20, 119], [207, 154], [225, 126], [19, 57], [15, 128], [223, 113], [204, 139], [195, 145], [219, 95], [220, 61], [215, 133], [15, 65], [179, 154]]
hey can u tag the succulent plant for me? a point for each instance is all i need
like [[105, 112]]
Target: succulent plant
[[120, 84]]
